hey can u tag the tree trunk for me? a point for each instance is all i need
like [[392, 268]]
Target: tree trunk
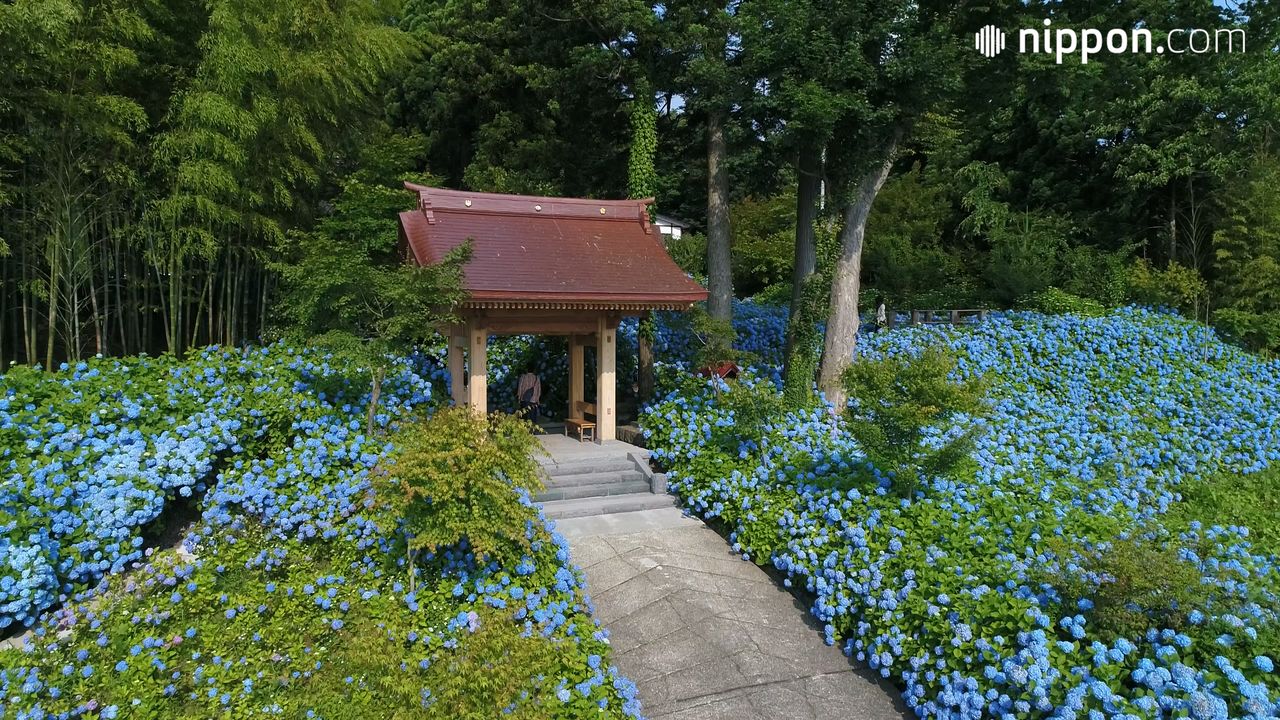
[[645, 342], [842, 317], [808, 170], [375, 395], [55, 293], [719, 274]]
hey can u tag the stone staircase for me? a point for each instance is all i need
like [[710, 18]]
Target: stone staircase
[[600, 480]]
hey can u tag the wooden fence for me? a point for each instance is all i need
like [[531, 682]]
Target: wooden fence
[[942, 317]]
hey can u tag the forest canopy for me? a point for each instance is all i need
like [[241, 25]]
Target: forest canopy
[[159, 159]]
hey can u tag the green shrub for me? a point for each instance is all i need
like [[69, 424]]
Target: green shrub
[[714, 340], [775, 294], [1143, 584], [1176, 287], [894, 400], [501, 667], [763, 241], [451, 479], [1259, 332], [1059, 302], [1024, 261], [1096, 274], [1230, 498], [690, 253], [957, 296]]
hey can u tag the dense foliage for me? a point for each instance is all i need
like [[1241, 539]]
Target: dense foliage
[[154, 155], [1061, 573], [291, 595], [895, 403], [452, 482], [94, 454]]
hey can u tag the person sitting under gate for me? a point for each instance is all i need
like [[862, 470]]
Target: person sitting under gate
[[529, 395]]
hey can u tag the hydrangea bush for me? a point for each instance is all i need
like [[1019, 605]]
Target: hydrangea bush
[[290, 596], [977, 593], [90, 455]]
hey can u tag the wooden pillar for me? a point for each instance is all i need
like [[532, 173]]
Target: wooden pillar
[[577, 373], [457, 367], [606, 380], [478, 349]]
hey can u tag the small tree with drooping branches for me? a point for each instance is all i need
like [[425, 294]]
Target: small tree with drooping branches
[[347, 287]]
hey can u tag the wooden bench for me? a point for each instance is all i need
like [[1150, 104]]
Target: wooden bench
[[579, 422]]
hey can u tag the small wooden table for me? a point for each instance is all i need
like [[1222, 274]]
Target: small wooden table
[[580, 423]]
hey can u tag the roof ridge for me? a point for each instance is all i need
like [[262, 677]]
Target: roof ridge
[[432, 200], [550, 214], [477, 194]]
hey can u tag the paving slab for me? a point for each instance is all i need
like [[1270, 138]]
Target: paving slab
[[706, 635]]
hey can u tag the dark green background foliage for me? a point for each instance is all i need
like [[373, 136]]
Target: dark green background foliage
[[161, 162]]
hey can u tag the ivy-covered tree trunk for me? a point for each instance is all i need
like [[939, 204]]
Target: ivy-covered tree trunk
[[808, 168], [806, 339], [719, 272], [642, 181], [846, 280]]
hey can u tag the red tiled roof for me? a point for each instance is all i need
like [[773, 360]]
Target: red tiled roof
[[542, 249]]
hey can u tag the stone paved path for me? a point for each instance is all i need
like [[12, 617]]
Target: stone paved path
[[707, 635]]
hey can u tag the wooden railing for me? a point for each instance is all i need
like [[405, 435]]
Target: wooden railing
[[942, 317]]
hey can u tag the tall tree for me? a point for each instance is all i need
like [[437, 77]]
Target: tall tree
[[905, 59], [701, 52], [69, 137], [346, 285], [803, 67], [1247, 259], [843, 82], [719, 236], [523, 97], [642, 182]]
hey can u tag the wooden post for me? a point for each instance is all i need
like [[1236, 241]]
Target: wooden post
[[606, 380], [955, 317], [577, 373], [457, 367], [478, 398]]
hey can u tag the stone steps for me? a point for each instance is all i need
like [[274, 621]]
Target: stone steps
[[574, 492], [596, 478], [589, 466], [585, 479], [608, 505]]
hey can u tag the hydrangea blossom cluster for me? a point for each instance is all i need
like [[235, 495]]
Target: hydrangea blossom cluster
[[761, 330], [91, 455], [298, 578], [1094, 424]]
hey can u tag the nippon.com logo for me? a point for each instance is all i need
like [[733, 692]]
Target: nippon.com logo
[[1064, 42]]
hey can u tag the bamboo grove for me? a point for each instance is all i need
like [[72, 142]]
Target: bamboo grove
[[154, 157]]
